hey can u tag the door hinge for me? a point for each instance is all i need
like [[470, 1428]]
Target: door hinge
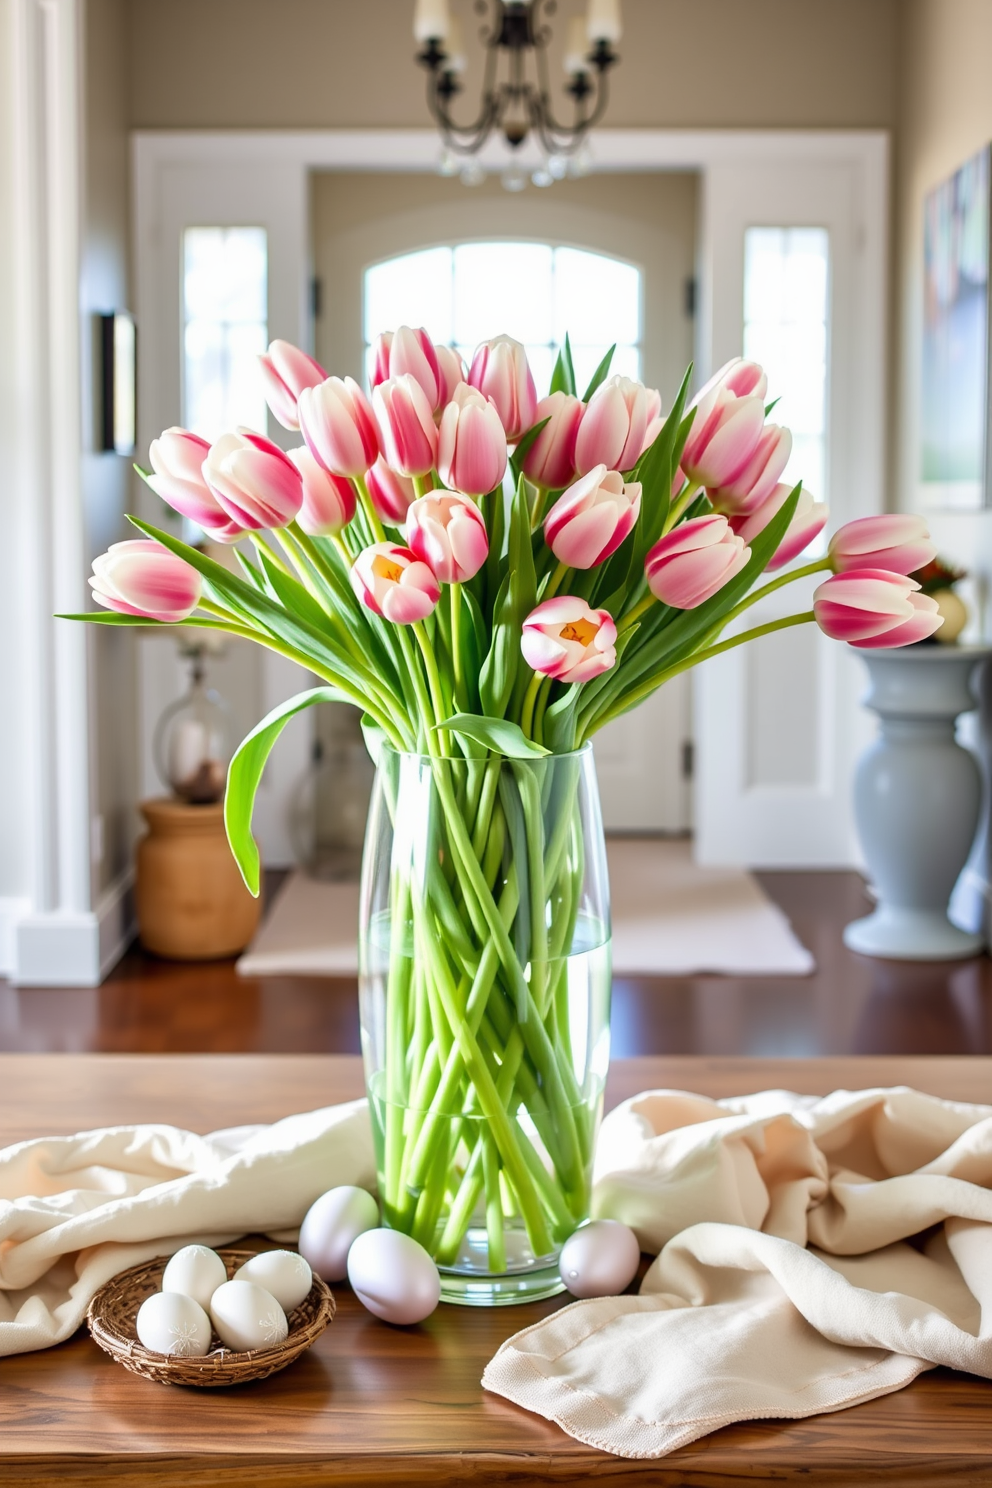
[[690, 294], [688, 759]]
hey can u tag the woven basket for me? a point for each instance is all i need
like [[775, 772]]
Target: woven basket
[[113, 1313]]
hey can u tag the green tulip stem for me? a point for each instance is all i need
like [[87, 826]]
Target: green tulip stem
[[678, 508], [788, 577], [368, 510]]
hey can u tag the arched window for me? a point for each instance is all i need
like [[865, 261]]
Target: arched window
[[533, 291]]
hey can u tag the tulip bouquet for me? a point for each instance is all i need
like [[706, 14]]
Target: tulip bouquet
[[491, 578]]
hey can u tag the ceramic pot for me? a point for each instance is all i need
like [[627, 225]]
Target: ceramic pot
[[191, 901], [917, 796]]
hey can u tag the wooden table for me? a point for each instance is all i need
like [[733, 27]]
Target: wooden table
[[374, 1405]]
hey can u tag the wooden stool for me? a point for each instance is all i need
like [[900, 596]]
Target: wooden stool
[[191, 901]]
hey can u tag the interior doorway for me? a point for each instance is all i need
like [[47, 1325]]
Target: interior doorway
[[414, 239]]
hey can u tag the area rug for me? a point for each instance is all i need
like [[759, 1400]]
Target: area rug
[[670, 918]]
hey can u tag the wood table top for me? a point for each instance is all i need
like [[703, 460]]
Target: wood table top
[[370, 1404]]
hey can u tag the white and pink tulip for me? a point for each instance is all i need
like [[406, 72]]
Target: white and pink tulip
[[723, 438], [897, 541], [177, 458], [328, 500], [694, 561], [405, 420], [873, 606], [394, 583], [410, 353], [286, 371], [614, 425], [756, 482], [592, 517], [563, 638], [255, 483], [550, 461], [500, 371], [448, 533], [471, 453], [141, 577], [391, 493], [338, 424], [808, 522]]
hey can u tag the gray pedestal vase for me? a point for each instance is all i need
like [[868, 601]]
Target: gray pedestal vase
[[917, 796]]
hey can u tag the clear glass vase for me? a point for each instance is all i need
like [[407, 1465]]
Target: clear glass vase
[[485, 1010]]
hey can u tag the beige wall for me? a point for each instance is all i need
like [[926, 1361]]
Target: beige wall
[[105, 286], [219, 64], [945, 115]]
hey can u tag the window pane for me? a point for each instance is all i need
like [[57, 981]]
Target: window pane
[[225, 326], [786, 311], [527, 290], [503, 288], [597, 299], [413, 290]]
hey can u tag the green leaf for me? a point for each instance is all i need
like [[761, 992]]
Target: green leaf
[[563, 377], [524, 444], [500, 666], [559, 720], [771, 405], [498, 734], [600, 375], [290, 593], [113, 617], [375, 738], [569, 365], [246, 771]]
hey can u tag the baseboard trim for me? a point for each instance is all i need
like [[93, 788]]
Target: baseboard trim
[[65, 949], [12, 909]]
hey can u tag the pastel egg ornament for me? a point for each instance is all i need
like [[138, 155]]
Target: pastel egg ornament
[[600, 1259], [393, 1277], [172, 1323], [283, 1273], [246, 1316], [197, 1272], [331, 1226]]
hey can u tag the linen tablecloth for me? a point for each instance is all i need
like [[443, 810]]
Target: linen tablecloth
[[809, 1253]]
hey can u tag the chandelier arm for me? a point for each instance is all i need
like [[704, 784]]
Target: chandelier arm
[[467, 138], [556, 137]]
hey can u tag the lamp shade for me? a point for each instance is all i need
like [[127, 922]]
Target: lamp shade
[[603, 21], [431, 20]]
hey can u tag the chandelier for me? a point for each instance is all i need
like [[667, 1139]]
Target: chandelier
[[516, 89]]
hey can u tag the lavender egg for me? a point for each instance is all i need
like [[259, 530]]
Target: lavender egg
[[331, 1226], [393, 1276], [600, 1259]]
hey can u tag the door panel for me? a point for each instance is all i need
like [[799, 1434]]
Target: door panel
[[778, 723]]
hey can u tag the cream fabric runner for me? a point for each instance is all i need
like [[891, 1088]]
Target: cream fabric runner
[[813, 1253]]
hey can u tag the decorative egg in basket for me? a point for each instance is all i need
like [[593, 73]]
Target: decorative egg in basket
[[113, 1312]]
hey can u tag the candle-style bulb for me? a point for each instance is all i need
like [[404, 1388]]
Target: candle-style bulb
[[603, 21], [576, 46], [431, 21], [455, 46]]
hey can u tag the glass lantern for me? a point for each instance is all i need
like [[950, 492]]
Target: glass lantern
[[192, 745]]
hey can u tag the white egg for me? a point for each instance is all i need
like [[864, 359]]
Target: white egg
[[196, 1271], [172, 1323], [282, 1272], [393, 1276], [246, 1316], [600, 1259], [331, 1226]]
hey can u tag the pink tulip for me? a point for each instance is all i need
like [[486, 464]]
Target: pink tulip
[[500, 371], [550, 461], [926, 620], [563, 638], [391, 493], [471, 454], [286, 371], [143, 578], [405, 419], [758, 479], [865, 603], [255, 483], [590, 520], [613, 428], [410, 353], [338, 424], [449, 534], [328, 500], [743, 379], [452, 370], [655, 421], [393, 582], [899, 542], [809, 520], [177, 458], [695, 560], [724, 436]]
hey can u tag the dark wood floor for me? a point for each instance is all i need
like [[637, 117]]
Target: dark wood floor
[[851, 1005]]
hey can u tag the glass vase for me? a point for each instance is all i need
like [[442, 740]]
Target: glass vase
[[485, 1010]]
